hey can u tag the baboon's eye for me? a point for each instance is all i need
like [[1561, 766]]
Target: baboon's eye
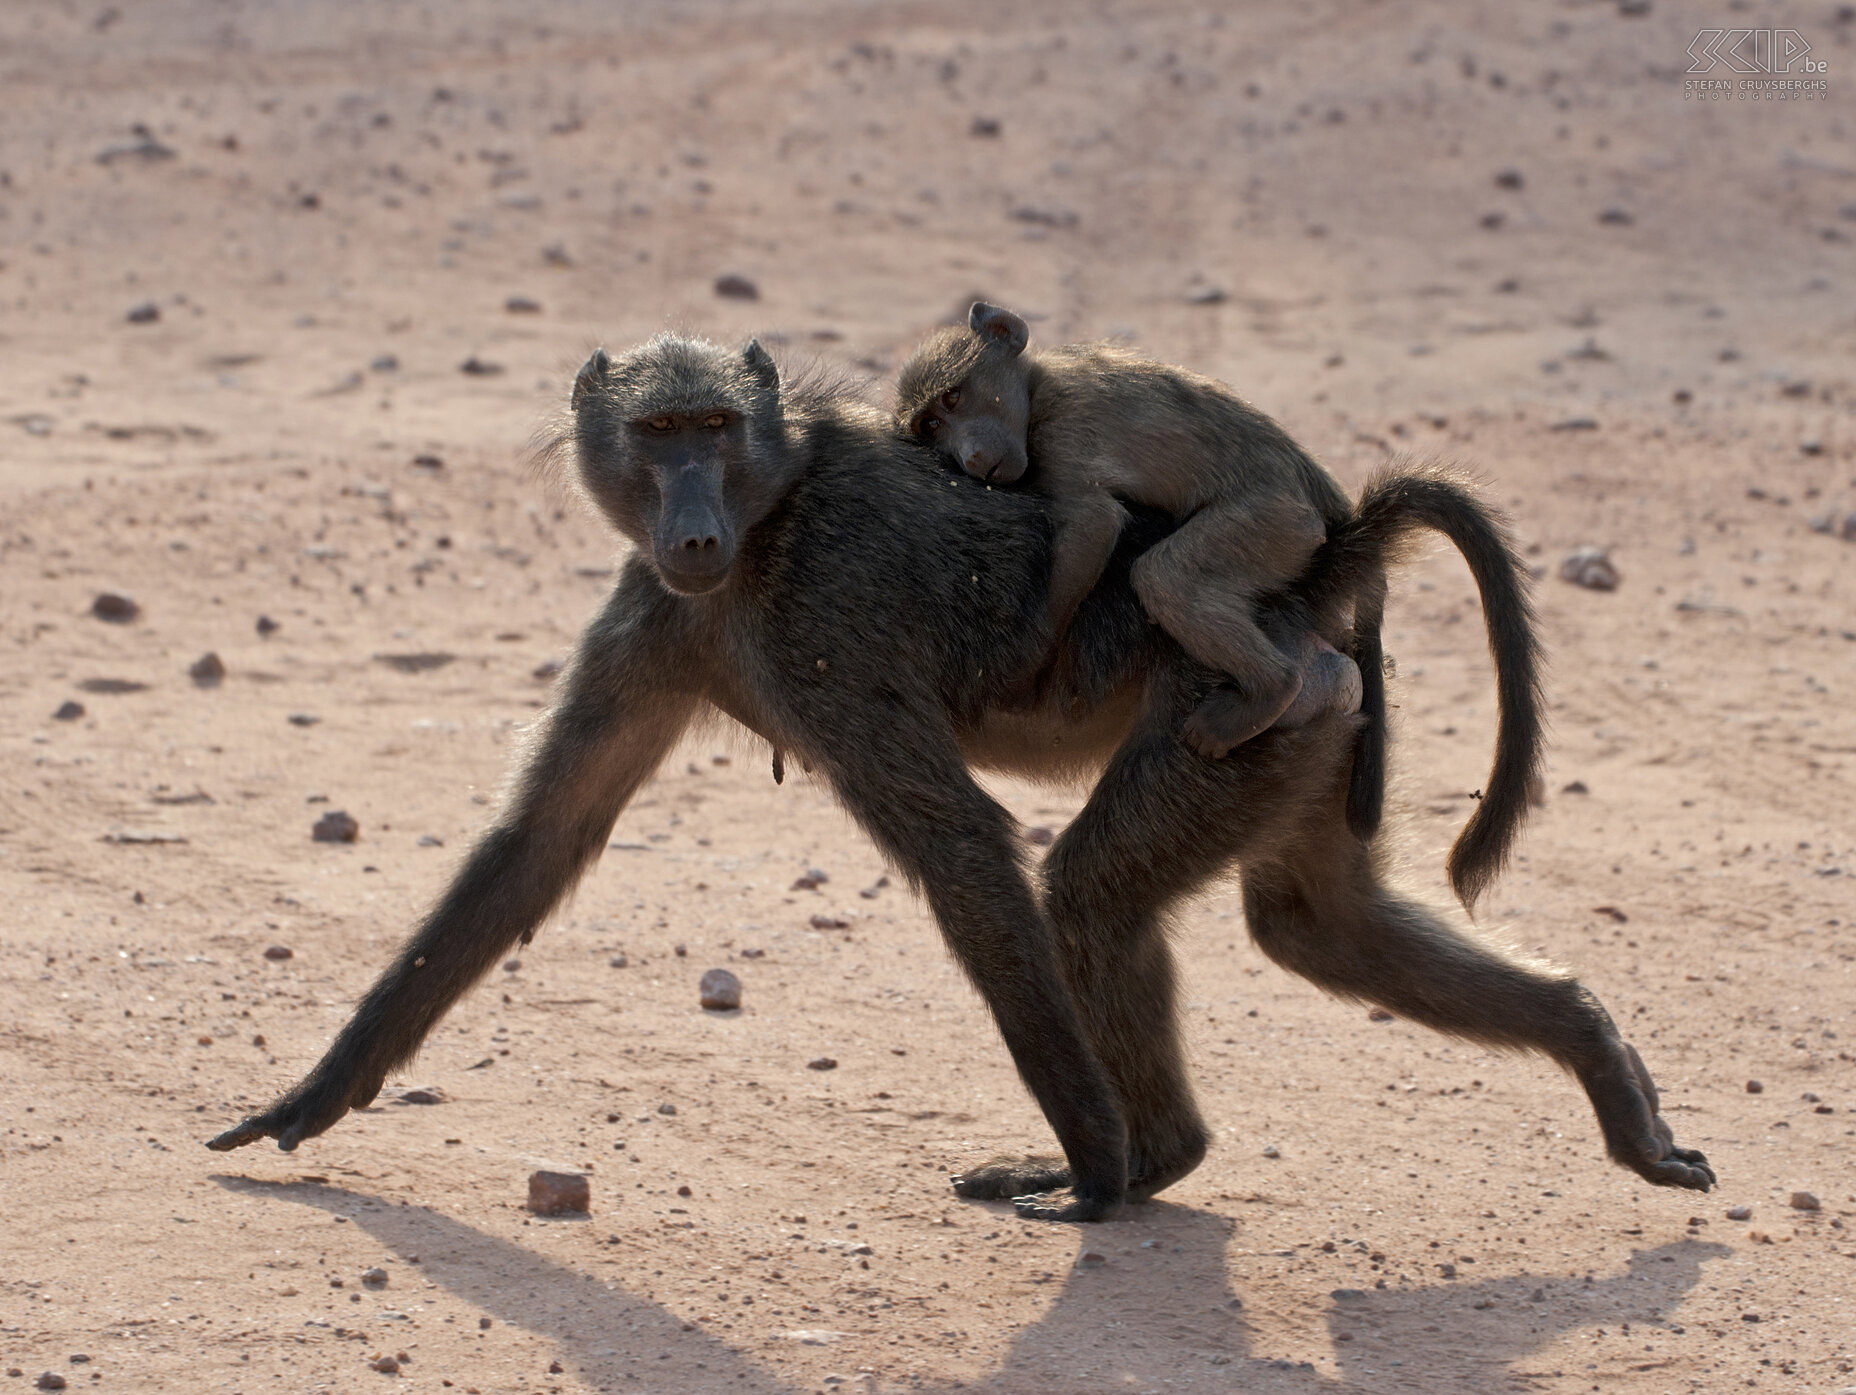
[[929, 426], [661, 424], [951, 398], [715, 421]]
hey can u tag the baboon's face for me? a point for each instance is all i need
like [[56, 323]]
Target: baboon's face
[[980, 422], [680, 443]]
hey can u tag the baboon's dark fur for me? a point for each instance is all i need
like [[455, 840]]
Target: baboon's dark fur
[[831, 587]]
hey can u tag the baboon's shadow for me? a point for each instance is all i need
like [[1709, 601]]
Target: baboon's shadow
[[1151, 1314]]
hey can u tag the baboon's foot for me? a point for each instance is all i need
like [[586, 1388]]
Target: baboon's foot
[[1227, 717], [1636, 1134], [314, 1106], [1330, 683], [1002, 1179], [1066, 1204]]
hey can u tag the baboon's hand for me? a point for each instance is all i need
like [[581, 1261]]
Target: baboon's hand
[[1004, 1178], [1637, 1135], [314, 1106]]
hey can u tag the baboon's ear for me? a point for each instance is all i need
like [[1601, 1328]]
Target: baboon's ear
[[760, 363], [998, 326], [591, 377]]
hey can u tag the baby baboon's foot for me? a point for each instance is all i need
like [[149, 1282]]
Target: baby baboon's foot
[[1330, 683], [1002, 1179], [1636, 1134], [1066, 1204], [1227, 717]]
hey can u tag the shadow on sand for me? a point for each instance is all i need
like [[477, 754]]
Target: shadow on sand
[[1162, 1317]]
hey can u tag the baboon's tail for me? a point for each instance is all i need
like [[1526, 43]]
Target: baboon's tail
[[1396, 503]]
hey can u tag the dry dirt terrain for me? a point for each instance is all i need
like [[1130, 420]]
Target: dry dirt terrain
[[284, 291]]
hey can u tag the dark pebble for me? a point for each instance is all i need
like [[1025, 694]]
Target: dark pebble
[[522, 305], [479, 368], [68, 711], [429, 462], [115, 608], [336, 826], [280, 952], [559, 1193], [822, 1063], [720, 991], [207, 671], [1039, 835], [147, 313], [829, 922], [374, 1278], [267, 626], [733, 287], [1753, 1087]]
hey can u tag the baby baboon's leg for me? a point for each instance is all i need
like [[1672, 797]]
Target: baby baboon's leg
[[1320, 910], [1201, 586], [1331, 682]]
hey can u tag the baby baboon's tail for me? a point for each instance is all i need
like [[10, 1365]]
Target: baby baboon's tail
[[1395, 504]]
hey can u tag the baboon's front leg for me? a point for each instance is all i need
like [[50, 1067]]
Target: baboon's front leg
[[614, 724]]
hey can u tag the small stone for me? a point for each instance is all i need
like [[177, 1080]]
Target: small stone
[[374, 1278], [428, 462], [547, 669], [720, 990], [683, 1190], [147, 313], [829, 922], [1090, 1259], [522, 305], [619, 961], [336, 826], [386, 1365], [1575, 787], [811, 881], [303, 719], [736, 287], [512, 966], [424, 1094], [1616, 217], [861, 1250], [280, 952], [267, 627], [1754, 1087], [822, 1063], [666, 1108], [79, 1358], [1805, 1201], [68, 711], [1378, 1014], [1039, 836], [1207, 295], [559, 1193], [1739, 1213], [385, 363], [479, 368], [681, 951], [114, 607], [207, 671], [1590, 567], [1270, 1150], [49, 1380], [484, 1324], [1446, 1271], [984, 127], [1510, 179], [428, 840]]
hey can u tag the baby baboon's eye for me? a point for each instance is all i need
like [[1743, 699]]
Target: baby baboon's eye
[[929, 426], [951, 398], [661, 424], [716, 421]]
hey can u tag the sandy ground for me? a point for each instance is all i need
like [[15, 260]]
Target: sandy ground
[[1643, 338]]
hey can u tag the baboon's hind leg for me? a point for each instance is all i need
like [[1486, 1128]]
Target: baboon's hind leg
[[1322, 912]]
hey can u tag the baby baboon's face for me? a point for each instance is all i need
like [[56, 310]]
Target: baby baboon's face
[[966, 392]]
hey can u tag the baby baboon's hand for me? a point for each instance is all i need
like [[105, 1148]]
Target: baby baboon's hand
[[313, 1107]]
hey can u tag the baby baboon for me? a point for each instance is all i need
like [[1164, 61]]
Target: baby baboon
[[1098, 426], [803, 570]]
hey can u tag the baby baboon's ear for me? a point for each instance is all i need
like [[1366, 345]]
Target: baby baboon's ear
[[998, 326], [591, 377], [760, 363]]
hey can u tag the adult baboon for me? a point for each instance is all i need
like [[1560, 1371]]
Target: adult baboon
[[805, 571]]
